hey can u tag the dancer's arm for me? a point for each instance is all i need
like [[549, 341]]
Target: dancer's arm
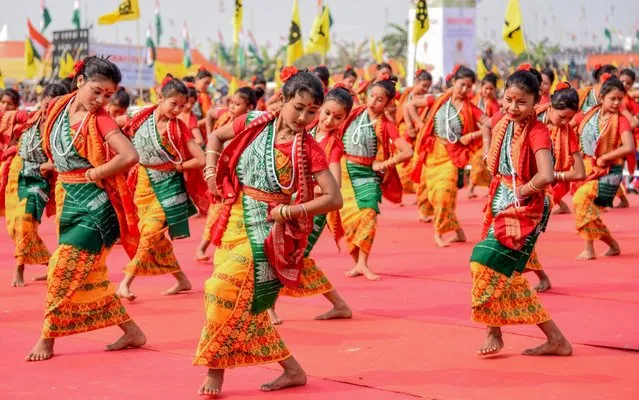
[[329, 200], [125, 157]]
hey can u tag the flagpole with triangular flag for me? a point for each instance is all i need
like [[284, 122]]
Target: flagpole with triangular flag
[[75, 19], [295, 48], [45, 20]]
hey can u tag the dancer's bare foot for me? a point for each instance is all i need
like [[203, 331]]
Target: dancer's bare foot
[[133, 337], [426, 220], [183, 285], [353, 273], [40, 278], [200, 254], [275, 320], [472, 195], [460, 237], [43, 350], [563, 209], [440, 242], [368, 274], [558, 348], [586, 255], [613, 251], [290, 378], [337, 312], [124, 292], [18, 277], [212, 385], [623, 203], [493, 343], [543, 285]]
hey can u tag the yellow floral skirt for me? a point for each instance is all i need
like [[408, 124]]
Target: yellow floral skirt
[[312, 282], [155, 253], [211, 217], [359, 225], [533, 262], [22, 227], [424, 206], [233, 336], [511, 301], [479, 174], [441, 182], [587, 214]]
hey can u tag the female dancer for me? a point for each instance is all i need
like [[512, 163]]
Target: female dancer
[[260, 235], [349, 77], [606, 139], [29, 189], [547, 79], [519, 157], [589, 95], [9, 100], [368, 171], [383, 69], [161, 187], [187, 116], [94, 209], [486, 101], [443, 148]]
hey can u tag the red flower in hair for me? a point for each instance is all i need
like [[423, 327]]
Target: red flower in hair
[[201, 69], [449, 77], [166, 80], [287, 73], [598, 66], [384, 77], [604, 77], [524, 67], [78, 67], [190, 85], [457, 67], [562, 86], [340, 85], [348, 68], [254, 79], [419, 72]]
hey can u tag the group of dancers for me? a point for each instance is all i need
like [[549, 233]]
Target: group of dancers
[[271, 174]]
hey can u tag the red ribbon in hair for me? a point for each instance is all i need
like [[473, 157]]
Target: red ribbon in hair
[[384, 77], [287, 73], [348, 68], [419, 72], [457, 67], [78, 67], [524, 67], [190, 85], [562, 86], [449, 77], [340, 85], [166, 80], [604, 77], [598, 66], [201, 69]]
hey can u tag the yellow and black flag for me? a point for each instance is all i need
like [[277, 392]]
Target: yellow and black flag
[[421, 23], [513, 32], [128, 10], [295, 47], [237, 22], [320, 39]]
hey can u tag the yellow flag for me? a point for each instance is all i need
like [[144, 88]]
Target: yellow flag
[[66, 66], [481, 69], [278, 68], [153, 95], [421, 23], [319, 40], [2, 85], [553, 85], [379, 54], [295, 47], [513, 32], [128, 10], [373, 46], [29, 60], [237, 22], [233, 86]]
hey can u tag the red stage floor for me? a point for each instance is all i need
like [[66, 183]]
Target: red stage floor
[[411, 335]]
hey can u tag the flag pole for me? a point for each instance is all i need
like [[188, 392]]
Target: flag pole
[[139, 57]]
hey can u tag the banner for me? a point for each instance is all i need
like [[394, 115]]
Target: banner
[[132, 63]]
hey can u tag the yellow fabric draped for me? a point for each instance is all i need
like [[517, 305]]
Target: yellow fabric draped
[[22, 227], [80, 297], [359, 225], [155, 252], [424, 206], [587, 214], [211, 217], [516, 304], [479, 174], [233, 336], [441, 182], [533, 262]]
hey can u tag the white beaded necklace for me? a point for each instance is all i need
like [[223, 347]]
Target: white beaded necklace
[[56, 133], [358, 130], [156, 141], [277, 181], [449, 131], [32, 132]]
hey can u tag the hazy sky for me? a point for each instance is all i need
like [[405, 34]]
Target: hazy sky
[[354, 19]]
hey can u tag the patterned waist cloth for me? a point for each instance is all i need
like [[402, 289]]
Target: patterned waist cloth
[[266, 197], [367, 161]]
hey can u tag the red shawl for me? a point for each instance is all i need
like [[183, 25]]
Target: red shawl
[[391, 183], [180, 135], [91, 146], [491, 106], [425, 142], [513, 225], [287, 241]]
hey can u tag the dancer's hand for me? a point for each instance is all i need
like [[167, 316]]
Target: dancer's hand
[[601, 162], [278, 214]]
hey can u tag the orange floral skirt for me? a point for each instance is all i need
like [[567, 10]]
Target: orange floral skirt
[[587, 214], [441, 182], [359, 225], [312, 282], [424, 206]]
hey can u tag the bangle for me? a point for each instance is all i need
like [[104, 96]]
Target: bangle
[[87, 175], [562, 176], [209, 176], [304, 212], [212, 152], [287, 213], [209, 167], [532, 187], [281, 214]]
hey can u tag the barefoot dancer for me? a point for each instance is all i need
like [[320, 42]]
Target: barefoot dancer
[[336, 107], [29, 189], [162, 184], [569, 165], [242, 101], [269, 158], [94, 208], [486, 101], [9, 103], [606, 139], [368, 171], [442, 148], [520, 160]]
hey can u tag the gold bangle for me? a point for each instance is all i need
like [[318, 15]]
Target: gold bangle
[[281, 214], [209, 167], [288, 213], [212, 152], [87, 175], [304, 212], [532, 187]]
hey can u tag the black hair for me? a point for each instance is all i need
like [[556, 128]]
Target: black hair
[[611, 84], [383, 65], [490, 78], [54, 90], [604, 69], [537, 75], [350, 73], [567, 98], [192, 93], [13, 94], [98, 68], [629, 73], [463, 73], [549, 73], [341, 96], [259, 80], [68, 83], [173, 87], [188, 79], [248, 95], [304, 82], [388, 85], [424, 76], [121, 98], [525, 81], [203, 73], [322, 73]]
